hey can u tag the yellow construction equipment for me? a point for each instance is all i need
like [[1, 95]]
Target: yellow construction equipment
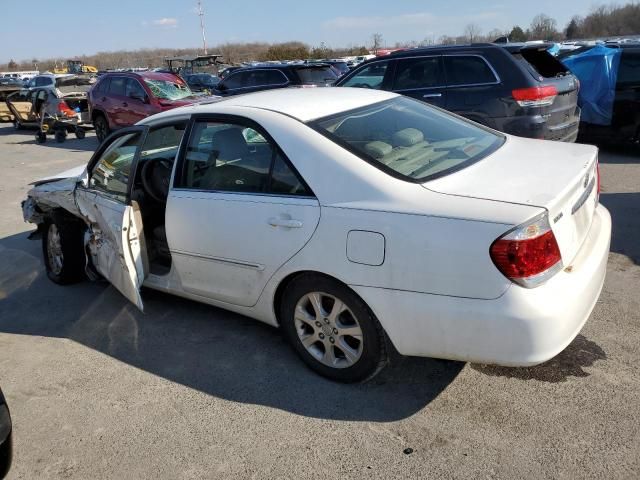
[[76, 66]]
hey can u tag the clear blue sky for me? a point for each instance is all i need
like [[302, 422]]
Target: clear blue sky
[[63, 28]]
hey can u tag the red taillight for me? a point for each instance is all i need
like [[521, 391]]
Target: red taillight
[[64, 109], [535, 96], [529, 254]]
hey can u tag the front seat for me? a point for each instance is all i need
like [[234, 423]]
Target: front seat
[[226, 159]]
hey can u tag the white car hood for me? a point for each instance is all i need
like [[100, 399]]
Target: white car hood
[[75, 172]]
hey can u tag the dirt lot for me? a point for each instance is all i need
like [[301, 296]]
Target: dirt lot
[[99, 390]]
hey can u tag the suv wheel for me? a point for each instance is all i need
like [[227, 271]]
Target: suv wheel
[[102, 127]]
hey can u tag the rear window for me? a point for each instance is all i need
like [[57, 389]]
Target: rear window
[[317, 75], [629, 71], [409, 139], [542, 63]]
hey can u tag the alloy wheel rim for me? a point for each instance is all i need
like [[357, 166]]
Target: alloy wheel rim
[[54, 250], [328, 330]]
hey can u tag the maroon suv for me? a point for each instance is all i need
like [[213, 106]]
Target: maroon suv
[[121, 99]]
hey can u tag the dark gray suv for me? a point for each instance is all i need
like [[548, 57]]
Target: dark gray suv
[[270, 76], [515, 88]]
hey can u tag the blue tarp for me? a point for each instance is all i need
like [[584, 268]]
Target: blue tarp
[[597, 70]]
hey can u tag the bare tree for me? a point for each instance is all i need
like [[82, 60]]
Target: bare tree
[[543, 27], [376, 42], [472, 32]]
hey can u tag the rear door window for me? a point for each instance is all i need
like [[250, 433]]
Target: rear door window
[[370, 76], [260, 78], [117, 86], [414, 73], [468, 70], [629, 71], [237, 80], [317, 75]]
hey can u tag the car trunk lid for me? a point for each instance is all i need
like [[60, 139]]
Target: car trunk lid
[[559, 177]]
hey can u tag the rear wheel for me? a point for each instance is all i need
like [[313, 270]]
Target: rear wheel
[[102, 127], [63, 250], [41, 137], [332, 329], [61, 136], [80, 133]]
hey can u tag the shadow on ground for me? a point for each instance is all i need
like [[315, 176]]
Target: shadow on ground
[[27, 137], [625, 215], [202, 347], [569, 363]]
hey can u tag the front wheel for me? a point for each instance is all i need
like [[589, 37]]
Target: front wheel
[[332, 329], [63, 250]]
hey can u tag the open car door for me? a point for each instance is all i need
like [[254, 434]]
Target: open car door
[[116, 236]]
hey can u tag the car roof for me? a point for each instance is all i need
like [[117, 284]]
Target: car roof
[[304, 104], [149, 75], [435, 48]]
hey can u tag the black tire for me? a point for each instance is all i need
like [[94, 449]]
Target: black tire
[[71, 268], [101, 126], [80, 133], [41, 137], [61, 136], [373, 356]]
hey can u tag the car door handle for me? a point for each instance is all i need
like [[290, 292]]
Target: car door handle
[[285, 222], [431, 95]]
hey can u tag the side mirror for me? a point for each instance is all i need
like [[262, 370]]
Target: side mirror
[[137, 96]]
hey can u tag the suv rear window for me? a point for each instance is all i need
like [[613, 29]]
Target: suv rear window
[[629, 71], [316, 75], [408, 139], [541, 62], [468, 70]]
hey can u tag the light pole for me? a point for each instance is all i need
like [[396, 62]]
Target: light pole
[[201, 15]]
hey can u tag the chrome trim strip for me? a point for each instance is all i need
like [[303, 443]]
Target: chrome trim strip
[[583, 198], [229, 261]]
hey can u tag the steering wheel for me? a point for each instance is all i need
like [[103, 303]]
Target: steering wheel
[[155, 176]]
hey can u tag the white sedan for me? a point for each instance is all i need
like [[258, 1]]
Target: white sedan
[[350, 218]]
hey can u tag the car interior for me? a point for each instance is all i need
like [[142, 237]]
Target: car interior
[[220, 157]]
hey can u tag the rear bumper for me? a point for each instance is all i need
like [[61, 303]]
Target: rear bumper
[[523, 327], [537, 126]]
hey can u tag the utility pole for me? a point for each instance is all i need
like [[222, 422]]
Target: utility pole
[[201, 15]]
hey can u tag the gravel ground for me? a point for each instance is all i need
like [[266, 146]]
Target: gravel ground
[[99, 390]]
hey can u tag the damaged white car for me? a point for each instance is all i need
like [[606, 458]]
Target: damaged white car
[[349, 218]]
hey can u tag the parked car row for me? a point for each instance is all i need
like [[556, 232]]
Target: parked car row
[[520, 89]]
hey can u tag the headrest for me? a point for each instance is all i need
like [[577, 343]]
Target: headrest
[[377, 149], [229, 144], [407, 137]]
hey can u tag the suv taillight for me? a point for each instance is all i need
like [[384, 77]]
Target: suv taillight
[[528, 255], [535, 96]]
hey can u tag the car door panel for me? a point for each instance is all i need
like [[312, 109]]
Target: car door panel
[[116, 246], [115, 235], [226, 246], [421, 78]]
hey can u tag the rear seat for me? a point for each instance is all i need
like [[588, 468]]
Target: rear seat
[[24, 109], [408, 143]]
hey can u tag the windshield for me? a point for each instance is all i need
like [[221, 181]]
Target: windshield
[[168, 90], [409, 139], [317, 75]]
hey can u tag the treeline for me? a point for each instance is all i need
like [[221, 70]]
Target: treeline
[[602, 22], [232, 53]]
